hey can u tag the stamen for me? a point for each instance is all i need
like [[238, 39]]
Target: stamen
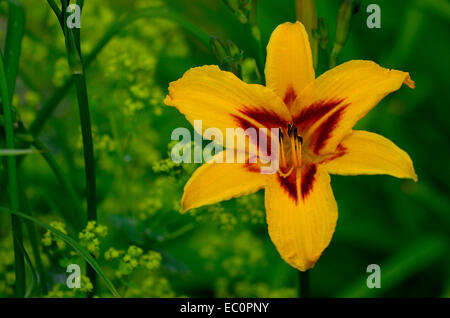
[[299, 152], [289, 130], [283, 158], [287, 174], [293, 151], [295, 131]]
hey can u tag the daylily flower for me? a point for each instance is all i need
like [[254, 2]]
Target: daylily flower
[[315, 117]]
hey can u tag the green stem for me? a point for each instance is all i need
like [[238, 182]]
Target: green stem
[[13, 44], [88, 146], [77, 68], [19, 263], [333, 57], [54, 7], [254, 34], [303, 284]]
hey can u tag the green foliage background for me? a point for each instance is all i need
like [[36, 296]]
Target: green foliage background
[[141, 241]]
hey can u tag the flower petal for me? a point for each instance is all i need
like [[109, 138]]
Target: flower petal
[[301, 215], [216, 182], [363, 152], [328, 108], [289, 66], [221, 100]]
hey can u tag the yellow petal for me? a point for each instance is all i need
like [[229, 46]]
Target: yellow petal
[[221, 100], [328, 108], [289, 66], [301, 215], [363, 152], [216, 182]]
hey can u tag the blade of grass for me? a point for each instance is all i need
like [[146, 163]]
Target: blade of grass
[[34, 278], [19, 265], [41, 277], [57, 11], [71, 242], [13, 43], [17, 152], [8, 74]]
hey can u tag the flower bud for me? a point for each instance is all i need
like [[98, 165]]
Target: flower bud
[[240, 8], [306, 13], [343, 23], [321, 33], [218, 49], [235, 52], [230, 56]]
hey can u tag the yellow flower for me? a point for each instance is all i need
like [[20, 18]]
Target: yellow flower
[[315, 117]]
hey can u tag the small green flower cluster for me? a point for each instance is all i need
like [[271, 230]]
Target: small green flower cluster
[[149, 207], [247, 209], [225, 288], [52, 242], [90, 237], [132, 260], [250, 209], [217, 214], [152, 287], [7, 276], [167, 166], [62, 291]]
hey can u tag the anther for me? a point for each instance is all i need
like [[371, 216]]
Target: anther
[[289, 130]]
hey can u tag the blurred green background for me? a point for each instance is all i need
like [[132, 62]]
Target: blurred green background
[[141, 241]]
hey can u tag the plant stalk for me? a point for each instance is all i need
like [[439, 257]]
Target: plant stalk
[[19, 262], [303, 291], [77, 68]]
